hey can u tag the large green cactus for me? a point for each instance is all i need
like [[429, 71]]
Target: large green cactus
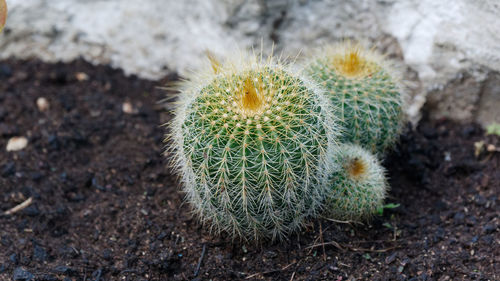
[[358, 188], [364, 91], [253, 144]]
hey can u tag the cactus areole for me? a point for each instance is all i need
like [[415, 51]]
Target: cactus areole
[[253, 149]]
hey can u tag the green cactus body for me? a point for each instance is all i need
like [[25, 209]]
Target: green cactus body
[[364, 92], [253, 144], [358, 188]]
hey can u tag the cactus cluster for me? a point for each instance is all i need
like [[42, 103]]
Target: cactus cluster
[[364, 91], [261, 148], [254, 145]]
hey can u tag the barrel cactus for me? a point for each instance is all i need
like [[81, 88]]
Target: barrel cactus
[[253, 144], [363, 87], [357, 190]]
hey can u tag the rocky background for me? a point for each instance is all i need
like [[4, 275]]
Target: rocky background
[[447, 50]]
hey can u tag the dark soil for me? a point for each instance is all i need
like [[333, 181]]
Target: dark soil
[[106, 207]]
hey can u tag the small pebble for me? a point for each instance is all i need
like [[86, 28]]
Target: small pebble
[[459, 218], [491, 148], [13, 258], [489, 228], [17, 143], [128, 108], [390, 258], [8, 169], [81, 76], [39, 253], [22, 274], [42, 104], [447, 156]]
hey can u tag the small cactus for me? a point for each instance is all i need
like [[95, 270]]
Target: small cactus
[[364, 91], [358, 188], [253, 144]]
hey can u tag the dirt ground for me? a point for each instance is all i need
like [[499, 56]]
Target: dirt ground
[[106, 207]]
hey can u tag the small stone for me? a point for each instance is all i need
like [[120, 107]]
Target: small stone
[[96, 275], [438, 235], [96, 184], [390, 258], [162, 235], [489, 228], [480, 200], [8, 169], [491, 148], [61, 269], [447, 156], [459, 218], [48, 277], [3, 113], [42, 104], [5, 70], [128, 108], [270, 254], [468, 131], [36, 176], [429, 132], [31, 211], [53, 141], [39, 253], [488, 239], [471, 221], [17, 143], [107, 254], [81, 76], [13, 258], [22, 274]]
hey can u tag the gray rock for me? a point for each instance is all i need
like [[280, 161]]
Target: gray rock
[[448, 51], [22, 275]]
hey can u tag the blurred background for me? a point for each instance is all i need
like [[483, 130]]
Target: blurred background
[[447, 50]]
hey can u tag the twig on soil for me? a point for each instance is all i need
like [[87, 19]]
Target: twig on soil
[[200, 260], [269, 271], [295, 270], [319, 237], [334, 243], [345, 222], [373, 251], [18, 207], [337, 245]]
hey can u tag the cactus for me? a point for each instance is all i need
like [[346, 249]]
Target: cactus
[[253, 144], [3, 14], [363, 88], [358, 188]]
